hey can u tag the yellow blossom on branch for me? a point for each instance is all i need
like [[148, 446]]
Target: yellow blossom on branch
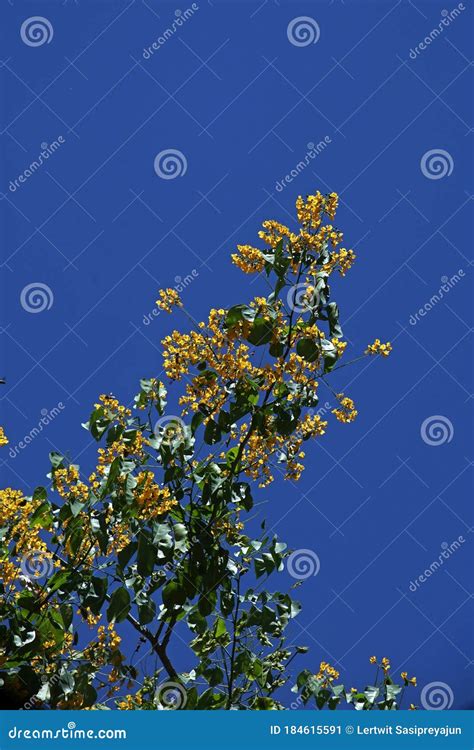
[[346, 412], [378, 348], [169, 298]]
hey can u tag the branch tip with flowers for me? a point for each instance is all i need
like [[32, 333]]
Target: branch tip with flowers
[[158, 537]]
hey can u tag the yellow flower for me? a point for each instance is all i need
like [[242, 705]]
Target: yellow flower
[[327, 673], [347, 412], [373, 659], [342, 259], [378, 348], [169, 298], [309, 211], [3, 437], [339, 346], [250, 260]]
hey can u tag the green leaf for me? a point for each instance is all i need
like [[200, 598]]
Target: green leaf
[[42, 516], [333, 317], [119, 605], [261, 332], [308, 349], [40, 493], [56, 459], [212, 433], [173, 594], [146, 557]]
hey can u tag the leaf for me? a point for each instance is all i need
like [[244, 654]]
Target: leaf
[[146, 611], [220, 628], [333, 316], [261, 332], [238, 313], [126, 554], [173, 594], [56, 459], [146, 557], [212, 433], [308, 349], [214, 676], [119, 605], [42, 516], [371, 693], [57, 580], [40, 493]]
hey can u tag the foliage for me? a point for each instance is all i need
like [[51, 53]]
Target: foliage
[[153, 542]]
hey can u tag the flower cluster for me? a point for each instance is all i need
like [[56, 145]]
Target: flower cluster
[[327, 673], [152, 499], [378, 348], [249, 259], [16, 511], [346, 412], [169, 298]]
